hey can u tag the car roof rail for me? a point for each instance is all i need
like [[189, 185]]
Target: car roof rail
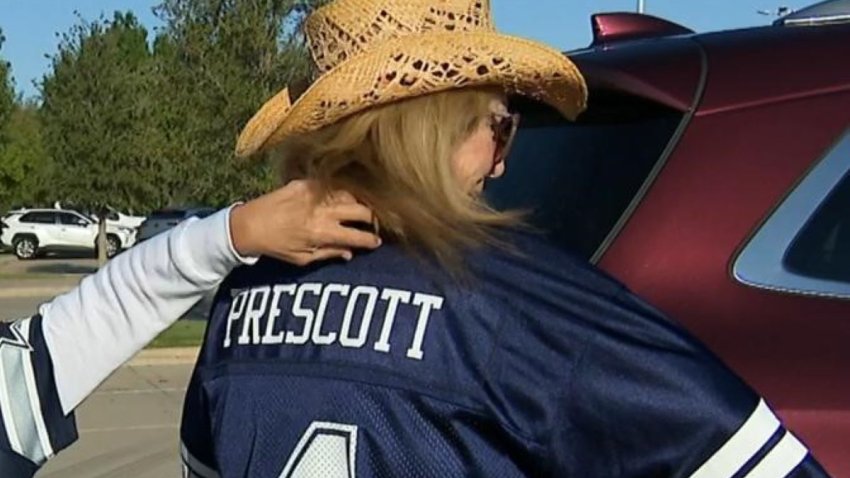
[[821, 13], [618, 27]]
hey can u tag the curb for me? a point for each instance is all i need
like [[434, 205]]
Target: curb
[[166, 356]]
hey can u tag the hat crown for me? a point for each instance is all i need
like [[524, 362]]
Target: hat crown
[[345, 28]]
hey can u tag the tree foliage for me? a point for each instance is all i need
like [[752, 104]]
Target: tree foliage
[[23, 160], [98, 110], [220, 60], [7, 93], [139, 122], [25, 166]]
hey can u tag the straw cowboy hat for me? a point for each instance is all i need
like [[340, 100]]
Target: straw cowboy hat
[[373, 52]]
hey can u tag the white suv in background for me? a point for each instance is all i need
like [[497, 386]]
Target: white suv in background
[[36, 231], [113, 216]]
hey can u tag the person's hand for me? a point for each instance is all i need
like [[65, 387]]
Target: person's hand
[[293, 225]]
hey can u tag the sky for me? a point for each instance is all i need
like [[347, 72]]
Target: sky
[[31, 27]]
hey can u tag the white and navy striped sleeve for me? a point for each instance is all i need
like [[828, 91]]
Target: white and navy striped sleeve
[[53, 361], [760, 448], [646, 399], [33, 426]]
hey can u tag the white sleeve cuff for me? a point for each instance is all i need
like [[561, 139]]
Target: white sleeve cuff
[[208, 253], [248, 261]]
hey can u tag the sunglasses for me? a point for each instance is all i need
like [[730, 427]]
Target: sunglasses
[[504, 128]]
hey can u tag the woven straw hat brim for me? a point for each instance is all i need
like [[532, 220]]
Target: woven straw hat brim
[[415, 65]]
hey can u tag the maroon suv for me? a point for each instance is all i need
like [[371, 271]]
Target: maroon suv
[[711, 174]]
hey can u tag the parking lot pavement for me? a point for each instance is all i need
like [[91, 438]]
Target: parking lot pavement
[[25, 284], [48, 266], [128, 427], [6, 258], [20, 297], [14, 308]]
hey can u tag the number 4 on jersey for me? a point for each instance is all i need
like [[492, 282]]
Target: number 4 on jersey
[[326, 450]]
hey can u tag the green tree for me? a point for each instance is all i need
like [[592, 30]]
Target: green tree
[[140, 128], [220, 60], [25, 166], [7, 92], [22, 157], [99, 117]]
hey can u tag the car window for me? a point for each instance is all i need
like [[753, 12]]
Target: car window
[[167, 215], [69, 219], [39, 218], [822, 249], [577, 179], [804, 245], [202, 213]]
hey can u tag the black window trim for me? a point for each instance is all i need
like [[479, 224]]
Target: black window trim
[[672, 145], [37, 212]]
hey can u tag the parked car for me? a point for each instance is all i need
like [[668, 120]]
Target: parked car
[[118, 218], [711, 174], [3, 247], [32, 232], [165, 219], [114, 216]]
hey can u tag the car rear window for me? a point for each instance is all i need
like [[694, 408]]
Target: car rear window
[[38, 218], [202, 213], [167, 215], [822, 248], [577, 179]]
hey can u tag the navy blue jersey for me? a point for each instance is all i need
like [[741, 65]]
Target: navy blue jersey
[[535, 365], [33, 426]]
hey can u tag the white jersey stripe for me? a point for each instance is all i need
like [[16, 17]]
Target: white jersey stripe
[[35, 402], [743, 445], [781, 460], [6, 410], [194, 467], [19, 401], [187, 473]]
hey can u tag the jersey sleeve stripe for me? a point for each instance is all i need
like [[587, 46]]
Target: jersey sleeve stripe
[[744, 444], [33, 425], [781, 460], [6, 411], [35, 401], [23, 418], [187, 473], [194, 468]]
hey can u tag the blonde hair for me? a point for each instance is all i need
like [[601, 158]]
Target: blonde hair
[[397, 159]]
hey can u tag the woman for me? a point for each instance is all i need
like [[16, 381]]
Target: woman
[[50, 363], [463, 347]]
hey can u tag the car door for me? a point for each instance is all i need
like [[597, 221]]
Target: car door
[[161, 221], [75, 231], [42, 224]]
